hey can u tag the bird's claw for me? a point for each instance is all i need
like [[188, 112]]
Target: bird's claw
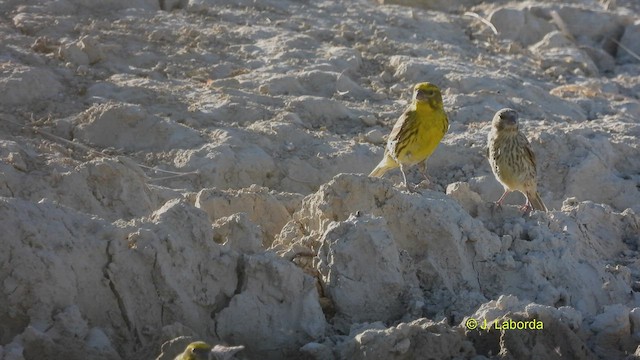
[[410, 188], [424, 184], [526, 208]]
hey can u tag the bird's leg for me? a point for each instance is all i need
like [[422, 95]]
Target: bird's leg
[[527, 206], [404, 176], [499, 202], [422, 167]]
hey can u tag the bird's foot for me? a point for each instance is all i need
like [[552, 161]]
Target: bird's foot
[[411, 188], [426, 179], [526, 208], [424, 184]]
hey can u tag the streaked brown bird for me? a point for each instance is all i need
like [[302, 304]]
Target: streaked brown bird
[[512, 160]]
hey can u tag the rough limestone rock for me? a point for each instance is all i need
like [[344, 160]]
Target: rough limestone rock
[[318, 112], [554, 340], [274, 311], [110, 188], [630, 40], [174, 241], [538, 254], [361, 270], [545, 332], [519, 25], [23, 85], [73, 54], [634, 317], [130, 127], [612, 332], [267, 209], [59, 267], [69, 282], [336, 217], [443, 253], [442, 5], [419, 338], [605, 62], [596, 25], [560, 56], [467, 198], [239, 233], [227, 165]]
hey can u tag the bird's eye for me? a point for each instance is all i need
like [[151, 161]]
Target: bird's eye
[[427, 93]]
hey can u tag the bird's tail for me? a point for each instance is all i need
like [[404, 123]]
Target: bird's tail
[[536, 201], [385, 165]]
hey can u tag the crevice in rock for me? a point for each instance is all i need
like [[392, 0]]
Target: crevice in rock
[[118, 296]]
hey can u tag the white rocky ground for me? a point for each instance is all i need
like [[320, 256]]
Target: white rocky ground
[[263, 229]]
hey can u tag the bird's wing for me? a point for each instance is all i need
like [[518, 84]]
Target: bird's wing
[[445, 124], [401, 130], [527, 148]]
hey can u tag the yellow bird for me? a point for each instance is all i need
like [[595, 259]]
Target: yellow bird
[[417, 132], [512, 160], [198, 350]]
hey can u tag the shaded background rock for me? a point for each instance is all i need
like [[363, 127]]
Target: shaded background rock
[[23, 85], [630, 41], [520, 25]]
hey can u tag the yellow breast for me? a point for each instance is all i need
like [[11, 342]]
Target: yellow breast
[[430, 126]]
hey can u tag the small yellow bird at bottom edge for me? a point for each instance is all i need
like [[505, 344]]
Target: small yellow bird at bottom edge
[[200, 350]]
